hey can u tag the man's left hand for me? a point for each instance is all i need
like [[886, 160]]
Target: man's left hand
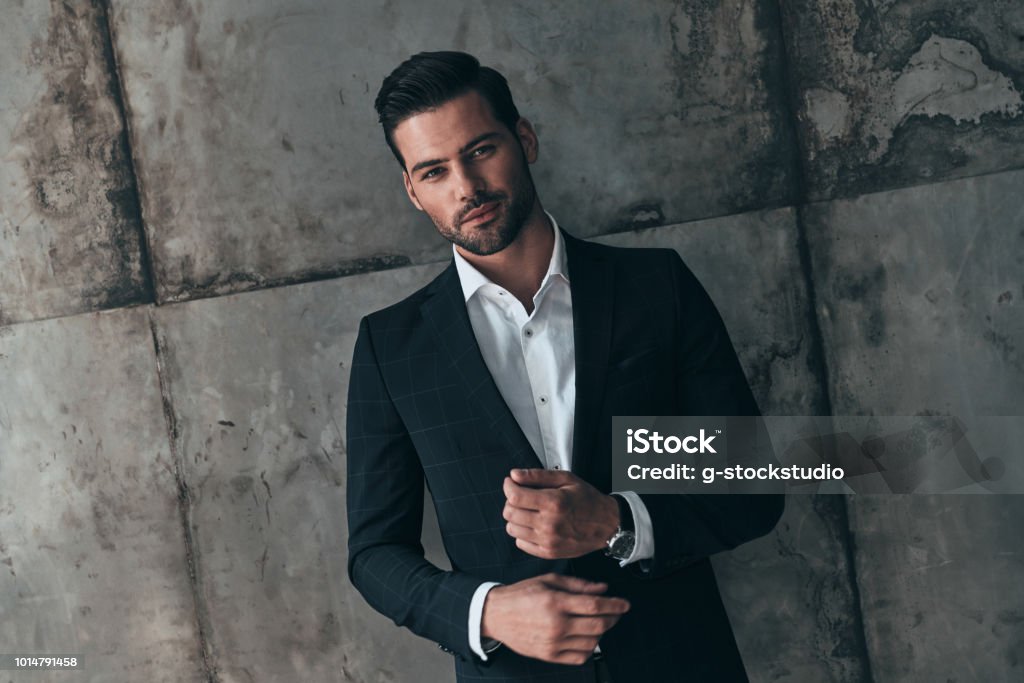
[[553, 514]]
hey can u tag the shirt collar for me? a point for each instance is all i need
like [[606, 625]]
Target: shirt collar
[[472, 279]]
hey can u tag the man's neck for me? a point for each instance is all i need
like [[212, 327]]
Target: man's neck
[[520, 267]]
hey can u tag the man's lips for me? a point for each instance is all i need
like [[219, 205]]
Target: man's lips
[[481, 213]]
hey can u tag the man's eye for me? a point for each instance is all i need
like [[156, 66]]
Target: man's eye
[[432, 173], [482, 151]]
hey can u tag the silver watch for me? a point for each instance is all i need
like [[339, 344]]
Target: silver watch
[[621, 544]]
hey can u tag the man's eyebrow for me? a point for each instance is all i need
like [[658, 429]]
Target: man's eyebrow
[[477, 140], [465, 148]]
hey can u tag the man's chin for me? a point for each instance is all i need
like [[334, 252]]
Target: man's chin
[[492, 239], [478, 249]]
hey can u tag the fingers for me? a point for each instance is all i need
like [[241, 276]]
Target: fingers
[[520, 516], [520, 532], [532, 548], [573, 584], [523, 497], [565, 618], [575, 649], [593, 606], [572, 657], [557, 500], [580, 643], [542, 478], [591, 588], [590, 626], [588, 612], [528, 541]]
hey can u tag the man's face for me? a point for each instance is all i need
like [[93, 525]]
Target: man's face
[[469, 172]]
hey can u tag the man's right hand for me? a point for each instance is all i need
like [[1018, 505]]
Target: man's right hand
[[554, 618]]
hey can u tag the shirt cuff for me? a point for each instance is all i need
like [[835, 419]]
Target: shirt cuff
[[643, 549], [476, 617]]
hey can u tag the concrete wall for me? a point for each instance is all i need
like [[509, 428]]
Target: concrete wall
[[195, 201]]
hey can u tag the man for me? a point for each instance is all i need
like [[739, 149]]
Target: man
[[496, 384]]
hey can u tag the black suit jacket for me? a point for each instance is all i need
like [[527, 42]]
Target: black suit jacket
[[423, 407]]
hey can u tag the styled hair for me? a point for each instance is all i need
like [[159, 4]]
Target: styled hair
[[427, 80]]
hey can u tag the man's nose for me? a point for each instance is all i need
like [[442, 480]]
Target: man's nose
[[469, 183]]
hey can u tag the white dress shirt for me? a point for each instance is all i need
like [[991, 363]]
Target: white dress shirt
[[532, 359]]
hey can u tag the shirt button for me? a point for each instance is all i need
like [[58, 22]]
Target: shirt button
[[543, 400], [529, 332], [558, 467]]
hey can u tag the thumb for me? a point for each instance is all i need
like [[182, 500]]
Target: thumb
[[574, 584], [541, 478]]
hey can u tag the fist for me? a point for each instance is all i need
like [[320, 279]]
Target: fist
[[555, 618], [553, 514]]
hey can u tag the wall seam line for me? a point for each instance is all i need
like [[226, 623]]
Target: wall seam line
[[184, 497], [120, 97], [818, 359]]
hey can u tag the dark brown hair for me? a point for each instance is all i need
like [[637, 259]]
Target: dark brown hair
[[427, 80]]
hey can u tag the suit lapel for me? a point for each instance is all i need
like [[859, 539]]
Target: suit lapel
[[591, 278], [445, 312]]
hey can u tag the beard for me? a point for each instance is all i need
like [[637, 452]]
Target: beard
[[502, 229]]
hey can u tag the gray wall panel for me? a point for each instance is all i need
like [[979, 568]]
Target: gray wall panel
[[92, 549], [919, 302], [259, 384], [920, 294], [261, 161], [69, 218], [941, 586], [906, 92]]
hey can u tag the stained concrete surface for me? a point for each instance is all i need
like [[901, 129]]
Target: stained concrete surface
[[258, 383], [92, 552], [260, 165], [905, 92], [69, 220], [940, 584], [919, 295], [261, 162], [787, 594]]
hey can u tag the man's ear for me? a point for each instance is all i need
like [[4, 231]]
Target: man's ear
[[528, 139], [407, 181]]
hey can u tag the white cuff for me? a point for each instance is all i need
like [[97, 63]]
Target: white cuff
[[644, 547], [476, 617]]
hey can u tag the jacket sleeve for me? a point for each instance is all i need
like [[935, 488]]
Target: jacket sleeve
[[709, 381], [385, 514]]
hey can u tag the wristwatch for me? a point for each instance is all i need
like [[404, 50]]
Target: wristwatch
[[622, 542]]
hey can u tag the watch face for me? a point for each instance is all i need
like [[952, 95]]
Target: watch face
[[621, 545]]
